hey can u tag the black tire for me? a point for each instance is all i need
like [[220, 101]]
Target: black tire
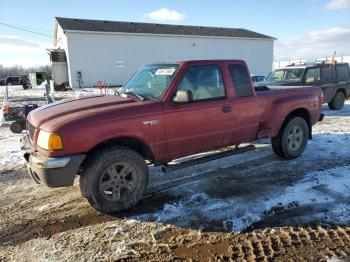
[[337, 102], [111, 172], [25, 83], [292, 138], [16, 127]]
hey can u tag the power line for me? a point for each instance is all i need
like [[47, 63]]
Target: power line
[[22, 29]]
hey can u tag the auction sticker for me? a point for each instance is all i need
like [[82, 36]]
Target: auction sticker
[[165, 72]]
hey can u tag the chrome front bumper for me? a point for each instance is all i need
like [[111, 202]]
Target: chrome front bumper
[[39, 161]]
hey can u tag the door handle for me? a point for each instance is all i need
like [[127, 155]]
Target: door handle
[[226, 109]]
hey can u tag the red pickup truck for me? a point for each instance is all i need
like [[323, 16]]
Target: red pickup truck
[[164, 112]]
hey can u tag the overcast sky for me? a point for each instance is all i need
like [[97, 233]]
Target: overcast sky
[[305, 29]]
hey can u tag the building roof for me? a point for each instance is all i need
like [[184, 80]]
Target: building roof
[[72, 24]]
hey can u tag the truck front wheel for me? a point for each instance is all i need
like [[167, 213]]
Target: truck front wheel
[[114, 179], [337, 102], [292, 138]]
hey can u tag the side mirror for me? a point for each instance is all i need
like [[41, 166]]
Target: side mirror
[[183, 96]]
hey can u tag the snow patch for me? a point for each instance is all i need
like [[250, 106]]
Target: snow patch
[[328, 188]]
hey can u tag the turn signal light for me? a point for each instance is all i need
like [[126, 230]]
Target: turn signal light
[[55, 142], [49, 141]]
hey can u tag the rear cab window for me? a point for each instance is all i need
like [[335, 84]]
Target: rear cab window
[[240, 80], [204, 81]]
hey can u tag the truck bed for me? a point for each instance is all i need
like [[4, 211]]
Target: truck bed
[[276, 102], [259, 89]]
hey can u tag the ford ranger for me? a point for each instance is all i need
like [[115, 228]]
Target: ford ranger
[[164, 112]]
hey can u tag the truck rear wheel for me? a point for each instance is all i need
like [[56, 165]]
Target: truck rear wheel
[[292, 138], [338, 101], [114, 179]]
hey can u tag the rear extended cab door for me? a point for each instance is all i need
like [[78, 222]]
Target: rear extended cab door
[[204, 123], [246, 108]]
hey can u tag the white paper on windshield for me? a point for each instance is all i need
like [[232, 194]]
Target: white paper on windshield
[[165, 72]]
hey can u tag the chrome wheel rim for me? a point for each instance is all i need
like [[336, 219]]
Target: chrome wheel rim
[[295, 138], [118, 181]]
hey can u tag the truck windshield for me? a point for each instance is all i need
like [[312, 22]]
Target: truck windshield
[[150, 81], [286, 74]]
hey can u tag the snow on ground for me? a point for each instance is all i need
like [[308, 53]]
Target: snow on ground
[[238, 213], [39, 92], [9, 150]]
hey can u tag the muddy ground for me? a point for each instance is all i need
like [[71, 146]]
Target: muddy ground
[[252, 206]]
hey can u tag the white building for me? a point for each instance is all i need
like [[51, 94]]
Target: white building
[[111, 51]]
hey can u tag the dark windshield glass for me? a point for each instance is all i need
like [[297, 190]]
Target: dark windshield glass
[[151, 81], [286, 74]]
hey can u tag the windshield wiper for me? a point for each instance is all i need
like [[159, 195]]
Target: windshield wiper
[[132, 93]]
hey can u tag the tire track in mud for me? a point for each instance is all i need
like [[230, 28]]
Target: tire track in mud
[[281, 243], [276, 244]]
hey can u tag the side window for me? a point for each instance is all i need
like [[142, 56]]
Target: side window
[[313, 75], [205, 82], [240, 79], [328, 73], [342, 71]]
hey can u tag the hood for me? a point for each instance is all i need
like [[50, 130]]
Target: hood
[[67, 109]]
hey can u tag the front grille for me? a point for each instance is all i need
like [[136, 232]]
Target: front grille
[[31, 130]]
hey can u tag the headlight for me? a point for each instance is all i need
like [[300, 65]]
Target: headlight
[[49, 141]]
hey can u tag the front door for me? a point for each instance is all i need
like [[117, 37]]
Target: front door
[[204, 122]]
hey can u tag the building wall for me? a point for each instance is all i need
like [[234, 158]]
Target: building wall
[[59, 72], [60, 69], [114, 57], [61, 39]]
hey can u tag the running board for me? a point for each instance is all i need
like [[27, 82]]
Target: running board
[[200, 160]]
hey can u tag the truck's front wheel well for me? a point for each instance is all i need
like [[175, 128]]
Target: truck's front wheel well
[[129, 142], [301, 112]]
